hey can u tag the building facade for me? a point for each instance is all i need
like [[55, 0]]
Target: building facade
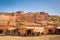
[[26, 23]]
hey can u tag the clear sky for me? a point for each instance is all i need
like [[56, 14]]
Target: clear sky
[[50, 6]]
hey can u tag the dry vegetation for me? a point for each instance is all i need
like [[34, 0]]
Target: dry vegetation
[[43, 37]]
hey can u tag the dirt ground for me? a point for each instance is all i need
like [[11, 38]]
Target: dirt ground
[[42, 37]]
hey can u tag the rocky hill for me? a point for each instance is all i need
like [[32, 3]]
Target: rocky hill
[[34, 17]]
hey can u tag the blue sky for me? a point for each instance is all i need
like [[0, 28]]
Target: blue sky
[[50, 6]]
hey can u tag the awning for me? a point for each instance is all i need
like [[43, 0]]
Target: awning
[[11, 28], [35, 27], [58, 28]]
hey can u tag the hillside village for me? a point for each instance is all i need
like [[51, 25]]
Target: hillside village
[[26, 23]]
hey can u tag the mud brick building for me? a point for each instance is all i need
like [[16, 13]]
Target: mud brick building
[[26, 23]]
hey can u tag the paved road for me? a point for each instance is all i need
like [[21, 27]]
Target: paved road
[[42, 37]]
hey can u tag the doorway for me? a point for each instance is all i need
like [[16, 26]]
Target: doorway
[[7, 32], [1, 31], [16, 32], [29, 32], [50, 31], [58, 31]]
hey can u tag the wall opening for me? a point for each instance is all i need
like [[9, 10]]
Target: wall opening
[[58, 31], [29, 32], [50, 31], [1, 31]]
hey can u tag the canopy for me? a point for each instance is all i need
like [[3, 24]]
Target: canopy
[[11, 28], [58, 28]]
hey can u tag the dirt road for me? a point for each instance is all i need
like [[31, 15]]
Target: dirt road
[[42, 37]]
